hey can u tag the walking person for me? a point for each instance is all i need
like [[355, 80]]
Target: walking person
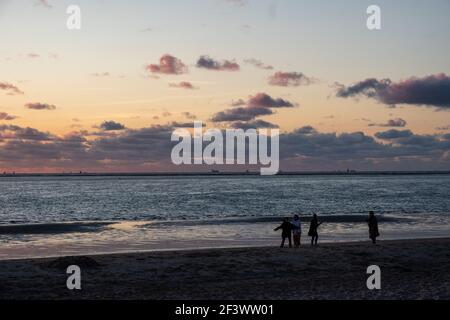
[[297, 230], [373, 227], [313, 230], [286, 233]]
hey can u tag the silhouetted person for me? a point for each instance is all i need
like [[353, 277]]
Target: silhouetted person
[[373, 227], [313, 230], [297, 230], [286, 228]]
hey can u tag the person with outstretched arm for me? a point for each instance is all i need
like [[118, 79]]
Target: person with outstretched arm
[[286, 233]]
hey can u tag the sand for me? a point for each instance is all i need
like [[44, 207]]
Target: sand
[[411, 269]]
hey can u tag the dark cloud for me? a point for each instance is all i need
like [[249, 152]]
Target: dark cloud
[[140, 149], [168, 65], [40, 106], [259, 64], [176, 124], [7, 117], [400, 123], [259, 105], [393, 134], [112, 126], [266, 101], [183, 85], [430, 91], [289, 79], [207, 62], [12, 132], [305, 130], [10, 89], [241, 114], [312, 150], [254, 124]]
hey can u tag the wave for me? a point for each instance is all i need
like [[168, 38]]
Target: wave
[[52, 228], [97, 226], [273, 219]]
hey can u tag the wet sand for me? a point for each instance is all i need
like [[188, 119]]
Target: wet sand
[[411, 269]]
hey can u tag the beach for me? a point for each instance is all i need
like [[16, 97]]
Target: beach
[[410, 269]]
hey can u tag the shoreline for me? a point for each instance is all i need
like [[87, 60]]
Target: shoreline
[[411, 269], [271, 245]]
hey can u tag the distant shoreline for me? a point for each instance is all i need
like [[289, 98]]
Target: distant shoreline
[[219, 174]]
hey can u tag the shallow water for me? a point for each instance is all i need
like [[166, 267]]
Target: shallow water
[[48, 215]]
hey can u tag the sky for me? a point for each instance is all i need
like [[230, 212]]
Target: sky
[[107, 97]]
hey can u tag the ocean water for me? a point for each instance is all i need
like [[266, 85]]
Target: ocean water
[[71, 215]]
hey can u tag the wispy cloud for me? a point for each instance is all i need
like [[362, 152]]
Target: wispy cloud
[[40, 106], [183, 85], [289, 79], [206, 62], [390, 123], [259, 64], [10, 89], [7, 117]]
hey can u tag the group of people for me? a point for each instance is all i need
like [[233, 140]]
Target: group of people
[[293, 228]]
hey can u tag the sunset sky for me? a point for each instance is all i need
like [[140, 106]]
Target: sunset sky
[[106, 97]]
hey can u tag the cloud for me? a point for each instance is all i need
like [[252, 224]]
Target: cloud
[[40, 106], [306, 130], [12, 132], [7, 117], [391, 123], [393, 134], [289, 79], [312, 150], [266, 101], [101, 74], [241, 114], [183, 85], [149, 149], [238, 103], [10, 89], [206, 62], [259, 105], [254, 124], [111, 126], [259, 64], [168, 65], [429, 91]]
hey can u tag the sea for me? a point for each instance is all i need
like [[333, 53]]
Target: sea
[[47, 216]]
